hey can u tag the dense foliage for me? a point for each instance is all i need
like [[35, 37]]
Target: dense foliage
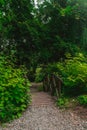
[[14, 90], [37, 33], [73, 72], [83, 100], [40, 36]]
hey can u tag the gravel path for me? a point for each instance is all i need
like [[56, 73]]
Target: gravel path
[[46, 117]]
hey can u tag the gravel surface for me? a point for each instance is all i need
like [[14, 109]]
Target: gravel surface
[[46, 118], [44, 115]]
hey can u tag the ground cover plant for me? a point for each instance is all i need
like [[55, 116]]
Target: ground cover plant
[[83, 100]]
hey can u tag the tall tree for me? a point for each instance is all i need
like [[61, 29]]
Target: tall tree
[[18, 27]]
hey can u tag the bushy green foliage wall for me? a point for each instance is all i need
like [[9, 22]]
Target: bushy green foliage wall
[[14, 90], [73, 72]]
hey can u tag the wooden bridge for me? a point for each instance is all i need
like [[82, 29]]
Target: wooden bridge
[[53, 84]]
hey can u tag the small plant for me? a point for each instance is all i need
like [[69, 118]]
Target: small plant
[[39, 75], [82, 100], [62, 102]]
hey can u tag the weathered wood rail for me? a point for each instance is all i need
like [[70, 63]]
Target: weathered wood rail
[[52, 84]]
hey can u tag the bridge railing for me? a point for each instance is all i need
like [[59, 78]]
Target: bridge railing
[[52, 84]]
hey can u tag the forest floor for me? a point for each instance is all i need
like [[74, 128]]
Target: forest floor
[[44, 115]]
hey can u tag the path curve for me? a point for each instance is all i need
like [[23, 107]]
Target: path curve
[[44, 115]]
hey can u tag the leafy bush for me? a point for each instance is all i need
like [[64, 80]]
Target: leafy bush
[[82, 100], [61, 48], [62, 102], [39, 75], [14, 90], [74, 74]]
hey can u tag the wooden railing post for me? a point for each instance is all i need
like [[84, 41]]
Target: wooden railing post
[[53, 84]]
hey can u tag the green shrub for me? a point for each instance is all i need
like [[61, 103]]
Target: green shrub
[[14, 90], [74, 74], [82, 100], [62, 102], [39, 75]]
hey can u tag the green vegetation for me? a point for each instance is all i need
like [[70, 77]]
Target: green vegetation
[[83, 100], [73, 72], [62, 102], [39, 75], [50, 37], [14, 90], [67, 102]]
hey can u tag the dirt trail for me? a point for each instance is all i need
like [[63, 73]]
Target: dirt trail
[[41, 98], [44, 115]]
